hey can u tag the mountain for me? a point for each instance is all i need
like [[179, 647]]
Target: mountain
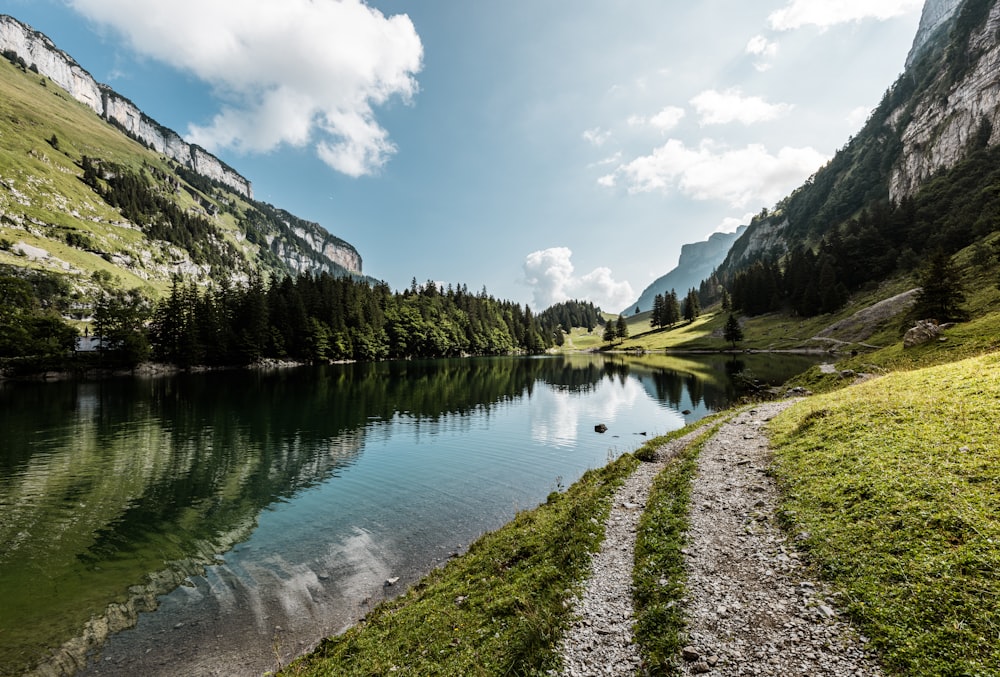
[[94, 189], [920, 176], [697, 262]]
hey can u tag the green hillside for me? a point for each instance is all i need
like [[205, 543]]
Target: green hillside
[[54, 217]]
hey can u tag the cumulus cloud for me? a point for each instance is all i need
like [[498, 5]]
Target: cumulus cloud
[[826, 13], [720, 108], [551, 275], [739, 176], [665, 120], [763, 49], [296, 72]]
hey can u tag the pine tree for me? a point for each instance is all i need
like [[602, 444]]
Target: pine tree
[[656, 318], [671, 309], [940, 296], [732, 331], [692, 308], [609, 332], [621, 328]]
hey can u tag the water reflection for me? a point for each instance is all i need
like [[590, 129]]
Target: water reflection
[[254, 496]]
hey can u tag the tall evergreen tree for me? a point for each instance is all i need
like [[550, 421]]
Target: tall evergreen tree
[[691, 306], [621, 328], [609, 332], [940, 296], [733, 332], [656, 317]]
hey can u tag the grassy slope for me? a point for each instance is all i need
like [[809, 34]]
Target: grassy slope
[[49, 192], [897, 484]]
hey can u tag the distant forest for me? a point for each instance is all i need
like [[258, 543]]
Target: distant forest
[[308, 318]]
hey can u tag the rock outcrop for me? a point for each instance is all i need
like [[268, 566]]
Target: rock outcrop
[[39, 51], [924, 331]]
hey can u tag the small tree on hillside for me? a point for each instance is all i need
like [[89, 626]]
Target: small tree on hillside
[[621, 329], [656, 317], [609, 332], [940, 296], [733, 332], [671, 309]]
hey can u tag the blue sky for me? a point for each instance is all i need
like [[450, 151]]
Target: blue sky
[[544, 149]]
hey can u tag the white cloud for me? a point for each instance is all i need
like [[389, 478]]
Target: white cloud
[[826, 13], [668, 118], [741, 176], [730, 223], [550, 273], [720, 108], [596, 136], [296, 72], [858, 117], [610, 160], [665, 120], [761, 46], [764, 49]]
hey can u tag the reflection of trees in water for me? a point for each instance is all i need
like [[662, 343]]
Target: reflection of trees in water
[[670, 386]]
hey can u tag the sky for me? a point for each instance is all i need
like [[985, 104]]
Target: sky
[[542, 149]]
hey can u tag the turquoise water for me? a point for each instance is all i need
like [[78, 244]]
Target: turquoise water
[[219, 523]]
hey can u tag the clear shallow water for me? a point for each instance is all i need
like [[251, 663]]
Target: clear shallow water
[[259, 511]]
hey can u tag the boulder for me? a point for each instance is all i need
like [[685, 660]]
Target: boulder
[[922, 332]]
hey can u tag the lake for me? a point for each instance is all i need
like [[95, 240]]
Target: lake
[[223, 522]]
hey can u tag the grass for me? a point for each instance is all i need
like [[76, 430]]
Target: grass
[[896, 483], [499, 609], [42, 196], [658, 575]]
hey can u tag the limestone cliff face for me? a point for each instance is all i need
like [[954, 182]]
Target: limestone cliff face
[[945, 105], [55, 64], [952, 115], [935, 14]]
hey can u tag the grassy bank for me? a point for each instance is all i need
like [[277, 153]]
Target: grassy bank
[[499, 609], [895, 486]]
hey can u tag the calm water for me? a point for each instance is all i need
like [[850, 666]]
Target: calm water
[[216, 523]]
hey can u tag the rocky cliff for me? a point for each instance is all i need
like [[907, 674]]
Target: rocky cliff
[[935, 14], [39, 51], [944, 106], [959, 107], [244, 235], [696, 263]]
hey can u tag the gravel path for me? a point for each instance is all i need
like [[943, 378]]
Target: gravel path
[[752, 608], [600, 642]]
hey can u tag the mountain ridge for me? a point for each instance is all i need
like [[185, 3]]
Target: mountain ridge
[[57, 121], [696, 263], [39, 51]]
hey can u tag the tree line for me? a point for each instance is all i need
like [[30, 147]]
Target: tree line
[[314, 318]]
